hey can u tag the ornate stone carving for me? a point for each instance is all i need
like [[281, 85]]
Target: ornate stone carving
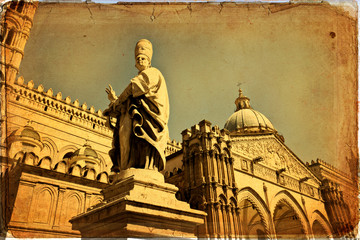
[[274, 154]]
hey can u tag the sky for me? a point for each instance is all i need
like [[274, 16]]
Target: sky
[[286, 62]]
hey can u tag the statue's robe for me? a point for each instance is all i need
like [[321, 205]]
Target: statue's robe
[[141, 132]]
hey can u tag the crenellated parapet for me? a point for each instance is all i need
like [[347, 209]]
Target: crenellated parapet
[[172, 147], [49, 103], [318, 163]]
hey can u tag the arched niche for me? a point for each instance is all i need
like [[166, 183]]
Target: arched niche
[[64, 154], [66, 151], [45, 163], [72, 206], [96, 200], [30, 158], [61, 167], [18, 157], [43, 205], [50, 148], [103, 177]]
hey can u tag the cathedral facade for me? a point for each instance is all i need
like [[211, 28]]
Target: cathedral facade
[[55, 163]]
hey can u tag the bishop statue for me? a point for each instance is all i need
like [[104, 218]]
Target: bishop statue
[[142, 113]]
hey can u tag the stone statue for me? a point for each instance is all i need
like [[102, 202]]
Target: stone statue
[[142, 113]]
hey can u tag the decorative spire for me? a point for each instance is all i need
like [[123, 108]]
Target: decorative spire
[[242, 102]]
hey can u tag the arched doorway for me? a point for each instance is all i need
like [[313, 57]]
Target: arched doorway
[[252, 223], [287, 222]]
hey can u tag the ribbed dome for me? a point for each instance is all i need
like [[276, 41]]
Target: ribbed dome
[[85, 150], [30, 132], [247, 120], [27, 132]]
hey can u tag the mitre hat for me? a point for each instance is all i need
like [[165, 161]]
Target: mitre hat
[[144, 47]]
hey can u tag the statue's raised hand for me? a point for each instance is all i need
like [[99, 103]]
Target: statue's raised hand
[[111, 94]]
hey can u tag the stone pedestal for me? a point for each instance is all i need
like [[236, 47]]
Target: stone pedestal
[[139, 204]]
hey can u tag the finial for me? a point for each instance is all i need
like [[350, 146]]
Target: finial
[[49, 92], [68, 100], [20, 80], [86, 144], [84, 106], [30, 84], [242, 102], [40, 88], [59, 96], [76, 103]]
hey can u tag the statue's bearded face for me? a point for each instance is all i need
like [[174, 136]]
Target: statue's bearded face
[[142, 62]]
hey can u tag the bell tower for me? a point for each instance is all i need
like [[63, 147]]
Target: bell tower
[[16, 24]]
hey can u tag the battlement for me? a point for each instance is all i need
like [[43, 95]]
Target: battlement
[[62, 108], [174, 172], [172, 147], [204, 129], [328, 166]]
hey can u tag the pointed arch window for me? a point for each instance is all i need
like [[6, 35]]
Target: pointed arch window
[[10, 37], [20, 6], [13, 5]]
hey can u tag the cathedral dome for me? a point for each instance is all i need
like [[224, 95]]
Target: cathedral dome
[[247, 120]]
